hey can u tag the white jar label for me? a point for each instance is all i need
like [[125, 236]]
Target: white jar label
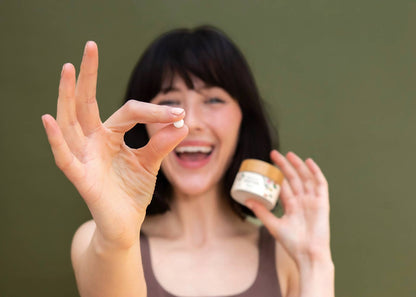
[[258, 185]]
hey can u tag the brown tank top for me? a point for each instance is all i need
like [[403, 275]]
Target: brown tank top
[[266, 283]]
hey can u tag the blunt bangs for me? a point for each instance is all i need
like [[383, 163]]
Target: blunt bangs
[[204, 52]]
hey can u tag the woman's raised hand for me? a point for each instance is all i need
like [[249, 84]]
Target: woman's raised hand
[[303, 230], [116, 182]]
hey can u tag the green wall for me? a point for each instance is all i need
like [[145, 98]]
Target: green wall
[[338, 78]]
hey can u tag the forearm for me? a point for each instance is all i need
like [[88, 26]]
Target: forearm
[[316, 278], [102, 271]]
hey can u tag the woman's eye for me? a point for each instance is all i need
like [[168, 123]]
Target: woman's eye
[[215, 100], [169, 102]]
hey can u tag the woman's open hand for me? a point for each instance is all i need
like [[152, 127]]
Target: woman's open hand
[[303, 230], [116, 182]]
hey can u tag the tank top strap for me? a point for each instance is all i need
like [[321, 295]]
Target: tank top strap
[[266, 283], [267, 253], [154, 289]]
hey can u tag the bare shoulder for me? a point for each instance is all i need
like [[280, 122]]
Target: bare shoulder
[[81, 240], [287, 270]]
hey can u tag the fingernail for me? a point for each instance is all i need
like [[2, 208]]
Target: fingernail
[[177, 111]]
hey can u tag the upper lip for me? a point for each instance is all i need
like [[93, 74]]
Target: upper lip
[[194, 146]]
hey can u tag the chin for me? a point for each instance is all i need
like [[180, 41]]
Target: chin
[[190, 178], [193, 186]]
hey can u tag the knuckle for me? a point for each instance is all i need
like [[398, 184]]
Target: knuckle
[[309, 184], [292, 178], [156, 113], [130, 106], [87, 71], [72, 123], [90, 98], [324, 182], [63, 164]]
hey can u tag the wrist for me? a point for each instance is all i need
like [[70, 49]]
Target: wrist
[[314, 255], [316, 278], [315, 265], [102, 245], [317, 260]]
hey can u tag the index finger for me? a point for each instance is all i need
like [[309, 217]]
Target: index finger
[[133, 112]]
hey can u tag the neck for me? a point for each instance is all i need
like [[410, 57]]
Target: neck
[[199, 219]]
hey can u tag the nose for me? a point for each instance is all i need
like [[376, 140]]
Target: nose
[[194, 117]]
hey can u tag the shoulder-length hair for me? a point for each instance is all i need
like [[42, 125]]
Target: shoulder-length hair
[[207, 53]]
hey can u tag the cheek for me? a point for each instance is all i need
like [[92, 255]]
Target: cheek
[[227, 124]]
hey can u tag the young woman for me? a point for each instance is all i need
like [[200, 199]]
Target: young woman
[[181, 234]]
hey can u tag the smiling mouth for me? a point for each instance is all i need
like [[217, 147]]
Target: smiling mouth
[[193, 153]]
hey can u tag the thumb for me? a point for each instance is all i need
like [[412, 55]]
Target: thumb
[[161, 144], [268, 219]]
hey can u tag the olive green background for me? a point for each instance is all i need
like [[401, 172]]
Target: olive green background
[[338, 78]]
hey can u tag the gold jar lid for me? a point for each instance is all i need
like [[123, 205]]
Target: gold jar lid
[[263, 168]]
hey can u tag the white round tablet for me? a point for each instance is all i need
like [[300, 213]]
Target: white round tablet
[[178, 124]]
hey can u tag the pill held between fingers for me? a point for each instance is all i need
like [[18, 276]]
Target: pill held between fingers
[[178, 124]]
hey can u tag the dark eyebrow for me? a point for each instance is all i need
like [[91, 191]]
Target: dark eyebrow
[[204, 88], [207, 86], [169, 89], [175, 89]]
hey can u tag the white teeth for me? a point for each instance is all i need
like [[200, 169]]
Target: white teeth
[[194, 149]]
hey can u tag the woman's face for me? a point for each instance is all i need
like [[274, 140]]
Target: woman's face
[[213, 117]]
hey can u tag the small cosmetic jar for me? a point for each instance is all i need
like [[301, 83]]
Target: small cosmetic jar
[[258, 180]]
